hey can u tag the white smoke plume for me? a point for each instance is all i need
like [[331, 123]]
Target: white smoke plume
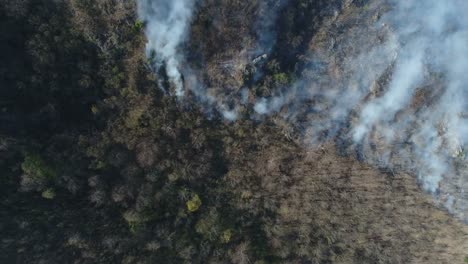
[[394, 89], [167, 24], [432, 59], [205, 99], [400, 96], [267, 14]]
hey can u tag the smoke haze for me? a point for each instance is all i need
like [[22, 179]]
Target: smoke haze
[[394, 89], [400, 101], [432, 56], [167, 26], [266, 22]]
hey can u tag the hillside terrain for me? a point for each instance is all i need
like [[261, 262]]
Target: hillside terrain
[[103, 161]]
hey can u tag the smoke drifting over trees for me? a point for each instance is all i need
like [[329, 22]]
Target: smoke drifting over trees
[[167, 26], [232, 131], [421, 47]]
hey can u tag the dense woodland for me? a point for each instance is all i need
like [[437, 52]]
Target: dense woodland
[[99, 164]]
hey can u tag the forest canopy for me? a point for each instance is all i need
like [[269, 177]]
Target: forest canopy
[[101, 162]]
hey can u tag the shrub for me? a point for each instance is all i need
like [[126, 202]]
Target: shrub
[[194, 204], [138, 26], [208, 226], [37, 168], [49, 194], [227, 235], [134, 220], [281, 78], [94, 109]]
